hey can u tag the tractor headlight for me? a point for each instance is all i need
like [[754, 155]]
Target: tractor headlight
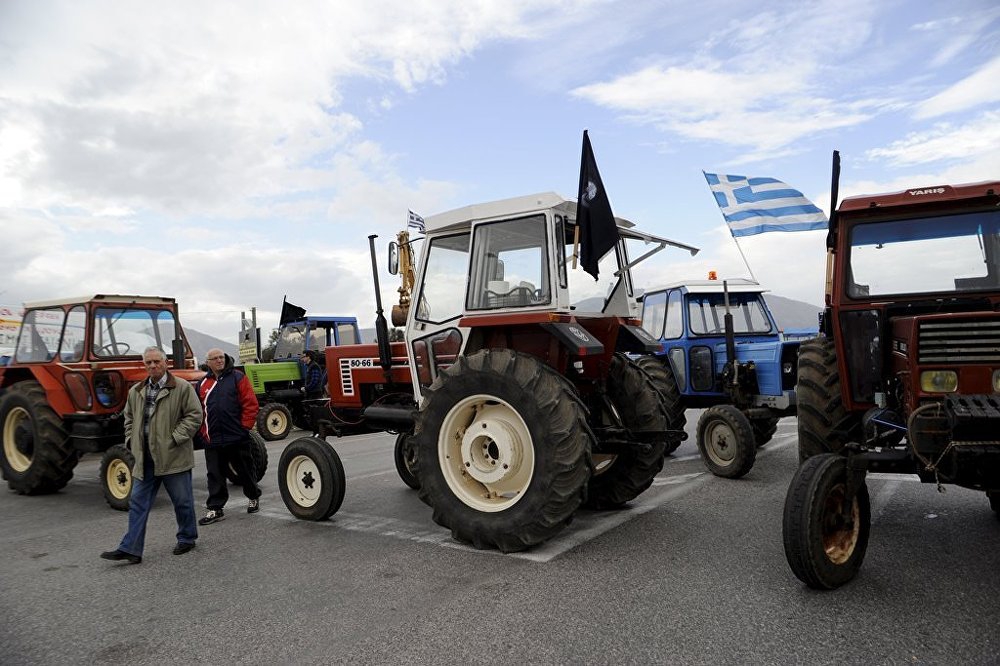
[[939, 381], [996, 381]]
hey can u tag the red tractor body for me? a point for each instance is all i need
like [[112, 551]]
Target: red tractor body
[[63, 389], [906, 377]]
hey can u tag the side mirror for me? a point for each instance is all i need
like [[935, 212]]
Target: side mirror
[[393, 258]]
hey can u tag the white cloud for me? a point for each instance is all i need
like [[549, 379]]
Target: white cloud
[[145, 107], [755, 84], [975, 90], [945, 142]]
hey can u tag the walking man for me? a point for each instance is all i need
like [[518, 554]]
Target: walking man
[[230, 412], [162, 415]]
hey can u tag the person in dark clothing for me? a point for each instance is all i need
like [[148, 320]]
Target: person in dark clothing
[[312, 375], [230, 408]]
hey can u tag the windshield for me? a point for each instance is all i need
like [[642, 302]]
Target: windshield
[[706, 314], [128, 332], [953, 253], [444, 281], [509, 264]]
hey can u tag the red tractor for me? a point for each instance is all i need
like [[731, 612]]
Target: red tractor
[[906, 376], [514, 404], [63, 389]]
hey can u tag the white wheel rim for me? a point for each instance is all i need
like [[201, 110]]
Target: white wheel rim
[[486, 453], [277, 422], [720, 443], [119, 479], [304, 481], [17, 460]]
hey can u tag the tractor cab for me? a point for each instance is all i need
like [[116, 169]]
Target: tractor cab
[[315, 333], [510, 264]]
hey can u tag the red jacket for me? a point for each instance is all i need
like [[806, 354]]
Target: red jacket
[[230, 407]]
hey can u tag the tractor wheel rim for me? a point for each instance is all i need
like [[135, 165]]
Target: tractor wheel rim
[[277, 422], [15, 427], [118, 479], [486, 453], [720, 443], [840, 536], [303, 480]]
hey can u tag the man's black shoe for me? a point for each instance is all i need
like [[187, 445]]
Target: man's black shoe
[[182, 548], [121, 555], [212, 516]]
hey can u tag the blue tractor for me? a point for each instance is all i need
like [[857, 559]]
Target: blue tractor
[[722, 351]]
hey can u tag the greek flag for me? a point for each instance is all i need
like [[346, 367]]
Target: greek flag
[[415, 221], [755, 205]]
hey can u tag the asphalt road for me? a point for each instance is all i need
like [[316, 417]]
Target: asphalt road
[[693, 572]]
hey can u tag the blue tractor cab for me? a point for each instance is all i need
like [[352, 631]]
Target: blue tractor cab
[[315, 333], [723, 351]]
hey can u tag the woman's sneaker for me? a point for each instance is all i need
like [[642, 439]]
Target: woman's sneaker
[[253, 506], [213, 516]]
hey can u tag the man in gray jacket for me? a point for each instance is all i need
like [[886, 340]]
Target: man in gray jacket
[[162, 415]]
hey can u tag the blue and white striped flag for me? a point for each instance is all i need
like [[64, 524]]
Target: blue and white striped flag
[[415, 221], [755, 205]]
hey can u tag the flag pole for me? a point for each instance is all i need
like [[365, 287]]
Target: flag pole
[[579, 189], [576, 243], [745, 262]]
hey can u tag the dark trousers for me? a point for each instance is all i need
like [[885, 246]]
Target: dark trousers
[[218, 459]]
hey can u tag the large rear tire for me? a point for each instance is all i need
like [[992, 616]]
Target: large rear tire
[[638, 405], [405, 455], [274, 421], [726, 441], [311, 479], [823, 421], [824, 543], [502, 447], [116, 476], [37, 455], [662, 375]]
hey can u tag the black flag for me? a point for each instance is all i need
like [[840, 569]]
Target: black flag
[[290, 312], [598, 231]]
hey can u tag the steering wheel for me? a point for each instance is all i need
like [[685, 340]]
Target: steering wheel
[[113, 348]]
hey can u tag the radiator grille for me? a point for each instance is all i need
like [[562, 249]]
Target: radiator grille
[[963, 341]]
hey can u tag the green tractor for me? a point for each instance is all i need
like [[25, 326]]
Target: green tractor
[[278, 384]]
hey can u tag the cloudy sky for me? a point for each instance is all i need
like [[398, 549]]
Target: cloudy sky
[[228, 154]]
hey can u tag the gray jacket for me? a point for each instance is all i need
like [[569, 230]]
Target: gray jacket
[[171, 428]]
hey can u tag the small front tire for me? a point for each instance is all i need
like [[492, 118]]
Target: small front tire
[[117, 464], [257, 462], [726, 441], [311, 479], [764, 429], [405, 455], [824, 543], [274, 421]]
